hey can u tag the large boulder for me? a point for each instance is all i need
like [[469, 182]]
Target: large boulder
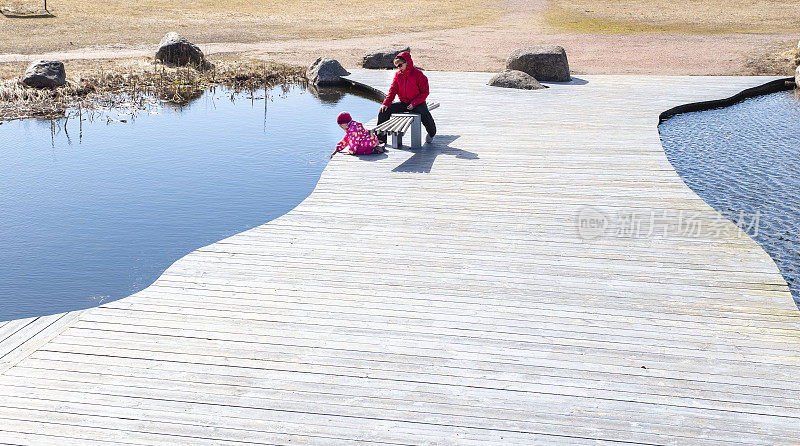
[[544, 62], [325, 71], [382, 58], [176, 50], [515, 79], [45, 74]]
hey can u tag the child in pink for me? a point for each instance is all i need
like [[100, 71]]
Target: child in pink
[[357, 141]]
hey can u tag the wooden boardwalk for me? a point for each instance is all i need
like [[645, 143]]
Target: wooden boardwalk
[[454, 299]]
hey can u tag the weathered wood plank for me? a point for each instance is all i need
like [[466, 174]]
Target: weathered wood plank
[[462, 365], [680, 307], [32, 334], [276, 407], [454, 303]]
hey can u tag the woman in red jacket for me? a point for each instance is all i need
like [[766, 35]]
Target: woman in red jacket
[[411, 86]]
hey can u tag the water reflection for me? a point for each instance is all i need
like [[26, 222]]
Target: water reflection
[[328, 95], [96, 207], [332, 95]]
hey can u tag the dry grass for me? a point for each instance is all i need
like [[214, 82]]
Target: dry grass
[[774, 61], [24, 10], [133, 84], [674, 16], [82, 23]]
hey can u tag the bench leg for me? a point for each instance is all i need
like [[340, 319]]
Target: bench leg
[[397, 141], [416, 132]]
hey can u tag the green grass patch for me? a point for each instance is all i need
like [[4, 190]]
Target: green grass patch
[[569, 20]]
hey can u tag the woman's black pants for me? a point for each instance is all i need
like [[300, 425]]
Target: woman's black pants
[[402, 107]]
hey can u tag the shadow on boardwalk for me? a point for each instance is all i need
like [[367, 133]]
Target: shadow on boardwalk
[[423, 158]]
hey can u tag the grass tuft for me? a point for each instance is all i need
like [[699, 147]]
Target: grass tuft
[[584, 23], [673, 16]]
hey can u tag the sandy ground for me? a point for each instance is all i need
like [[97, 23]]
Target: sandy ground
[[485, 48]]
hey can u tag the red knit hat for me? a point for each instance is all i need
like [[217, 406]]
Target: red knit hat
[[343, 118]]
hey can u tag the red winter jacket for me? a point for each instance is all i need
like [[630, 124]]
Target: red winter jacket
[[411, 86]]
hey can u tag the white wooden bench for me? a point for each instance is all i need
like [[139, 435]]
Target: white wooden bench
[[400, 123]]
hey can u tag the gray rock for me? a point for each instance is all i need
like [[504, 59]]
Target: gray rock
[[382, 58], [176, 50], [45, 74], [515, 79], [544, 62], [326, 71]]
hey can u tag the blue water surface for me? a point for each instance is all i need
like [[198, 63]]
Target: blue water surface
[[744, 160], [98, 211]]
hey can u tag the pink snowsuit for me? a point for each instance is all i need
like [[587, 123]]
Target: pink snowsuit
[[357, 140]]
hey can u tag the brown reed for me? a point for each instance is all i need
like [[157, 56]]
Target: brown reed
[[138, 85]]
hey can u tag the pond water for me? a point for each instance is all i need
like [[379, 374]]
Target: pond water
[[96, 211], [744, 161]]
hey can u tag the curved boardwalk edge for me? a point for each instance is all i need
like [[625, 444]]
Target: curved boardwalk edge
[[454, 299], [774, 86]]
